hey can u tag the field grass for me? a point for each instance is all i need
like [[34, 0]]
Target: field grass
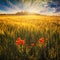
[[29, 28]]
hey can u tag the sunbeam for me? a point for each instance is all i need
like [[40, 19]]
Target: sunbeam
[[36, 6]]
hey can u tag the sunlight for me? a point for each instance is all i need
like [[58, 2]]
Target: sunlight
[[30, 7], [32, 10]]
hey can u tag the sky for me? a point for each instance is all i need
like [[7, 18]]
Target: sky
[[46, 7]]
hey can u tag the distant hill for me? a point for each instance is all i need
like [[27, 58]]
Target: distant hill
[[26, 13], [29, 13]]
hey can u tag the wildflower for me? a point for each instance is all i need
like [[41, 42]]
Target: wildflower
[[32, 44], [41, 40], [18, 39], [20, 42], [23, 42]]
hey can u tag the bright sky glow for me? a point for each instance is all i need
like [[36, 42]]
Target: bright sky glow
[[44, 7]]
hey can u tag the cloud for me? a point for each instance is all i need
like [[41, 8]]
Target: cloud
[[57, 9], [47, 8]]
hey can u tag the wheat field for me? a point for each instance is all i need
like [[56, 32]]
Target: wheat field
[[29, 28]]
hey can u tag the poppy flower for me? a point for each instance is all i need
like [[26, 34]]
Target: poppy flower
[[41, 40], [32, 44], [18, 41], [23, 42]]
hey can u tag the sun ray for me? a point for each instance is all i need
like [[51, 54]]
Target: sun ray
[[37, 6]]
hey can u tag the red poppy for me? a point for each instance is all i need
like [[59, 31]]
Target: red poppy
[[20, 42], [32, 44], [18, 39], [23, 42], [41, 40]]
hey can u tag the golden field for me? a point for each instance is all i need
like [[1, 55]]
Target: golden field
[[29, 28]]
